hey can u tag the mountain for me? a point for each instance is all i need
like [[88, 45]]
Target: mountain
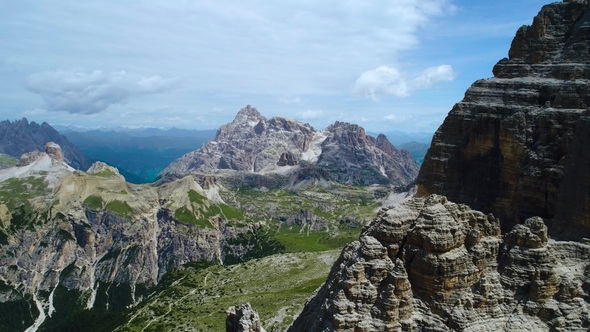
[[19, 137], [513, 144], [79, 249], [397, 137], [416, 149], [343, 152], [513, 255], [140, 154]]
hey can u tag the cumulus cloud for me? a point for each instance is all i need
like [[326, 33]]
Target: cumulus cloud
[[94, 92], [390, 81]]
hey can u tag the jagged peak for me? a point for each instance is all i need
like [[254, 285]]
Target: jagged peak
[[248, 113], [100, 167]]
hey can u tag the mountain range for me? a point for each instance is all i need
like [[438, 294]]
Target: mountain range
[[19, 137], [342, 152], [491, 233]]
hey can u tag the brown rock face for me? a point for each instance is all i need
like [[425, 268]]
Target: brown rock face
[[54, 151], [432, 265], [29, 158], [504, 148], [287, 159]]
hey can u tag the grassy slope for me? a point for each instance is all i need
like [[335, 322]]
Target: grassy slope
[[277, 287], [7, 161]]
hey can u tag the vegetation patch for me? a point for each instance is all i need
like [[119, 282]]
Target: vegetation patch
[[251, 245], [105, 173], [15, 191], [186, 216], [120, 208], [198, 300], [94, 202], [297, 239], [7, 161]]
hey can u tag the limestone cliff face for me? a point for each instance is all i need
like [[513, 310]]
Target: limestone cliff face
[[433, 265], [71, 240], [252, 143], [506, 146]]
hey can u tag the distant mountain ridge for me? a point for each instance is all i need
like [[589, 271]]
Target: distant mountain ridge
[[20, 136], [141, 153], [343, 151]]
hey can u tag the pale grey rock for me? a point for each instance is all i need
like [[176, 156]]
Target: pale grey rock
[[430, 264], [242, 318], [252, 143], [99, 166], [29, 158]]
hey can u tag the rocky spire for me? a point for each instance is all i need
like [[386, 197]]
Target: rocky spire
[[242, 318]]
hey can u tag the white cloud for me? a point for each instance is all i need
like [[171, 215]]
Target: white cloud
[[291, 100], [390, 81], [310, 115], [93, 92]]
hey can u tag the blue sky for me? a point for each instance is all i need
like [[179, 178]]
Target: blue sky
[[386, 65]]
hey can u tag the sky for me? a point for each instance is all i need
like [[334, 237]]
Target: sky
[[385, 65]]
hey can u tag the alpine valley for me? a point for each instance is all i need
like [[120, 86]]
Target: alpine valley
[[274, 225], [79, 248]]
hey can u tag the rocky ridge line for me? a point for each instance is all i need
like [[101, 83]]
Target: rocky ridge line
[[252, 143]]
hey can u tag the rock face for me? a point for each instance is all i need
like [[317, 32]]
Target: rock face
[[433, 265], [19, 137], [71, 241], [242, 318], [515, 145], [252, 143]]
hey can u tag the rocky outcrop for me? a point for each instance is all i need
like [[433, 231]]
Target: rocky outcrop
[[252, 143], [29, 158], [54, 151], [71, 241], [20, 137], [432, 265], [513, 145], [242, 318]]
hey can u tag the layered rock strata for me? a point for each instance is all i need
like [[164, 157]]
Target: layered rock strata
[[253, 143], [433, 265], [512, 146], [71, 241]]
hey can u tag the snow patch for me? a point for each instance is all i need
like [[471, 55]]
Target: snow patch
[[315, 147]]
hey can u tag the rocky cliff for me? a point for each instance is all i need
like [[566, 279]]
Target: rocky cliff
[[514, 145], [20, 137], [252, 143], [433, 265], [71, 240]]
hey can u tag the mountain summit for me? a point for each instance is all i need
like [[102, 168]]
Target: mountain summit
[[253, 143]]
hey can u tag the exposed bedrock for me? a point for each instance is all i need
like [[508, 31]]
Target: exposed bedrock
[[505, 147], [432, 265]]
